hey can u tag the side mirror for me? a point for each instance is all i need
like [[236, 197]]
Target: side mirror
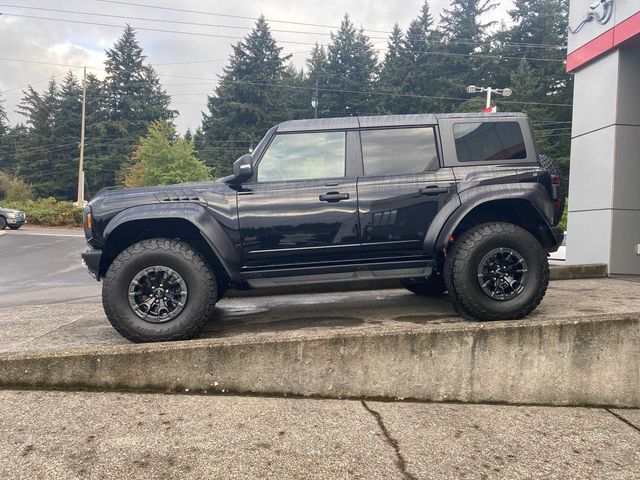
[[243, 168]]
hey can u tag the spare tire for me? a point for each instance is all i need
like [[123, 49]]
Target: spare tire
[[550, 165]]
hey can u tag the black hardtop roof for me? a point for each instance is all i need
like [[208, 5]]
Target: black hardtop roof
[[382, 121]]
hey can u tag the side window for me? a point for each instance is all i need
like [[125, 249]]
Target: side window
[[304, 156], [483, 141], [399, 151]]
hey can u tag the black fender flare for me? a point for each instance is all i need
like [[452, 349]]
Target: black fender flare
[[196, 214], [447, 220]]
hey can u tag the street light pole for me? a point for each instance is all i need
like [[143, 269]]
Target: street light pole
[[505, 92], [81, 164]]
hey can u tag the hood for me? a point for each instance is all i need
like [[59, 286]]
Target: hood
[[9, 210], [113, 199]]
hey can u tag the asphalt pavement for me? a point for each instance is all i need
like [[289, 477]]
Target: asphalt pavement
[[43, 266]]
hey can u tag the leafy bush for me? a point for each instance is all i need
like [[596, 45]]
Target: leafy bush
[[14, 189], [49, 212]]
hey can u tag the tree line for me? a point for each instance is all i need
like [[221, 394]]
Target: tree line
[[425, 68]]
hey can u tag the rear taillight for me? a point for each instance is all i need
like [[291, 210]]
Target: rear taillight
[[555, 180]]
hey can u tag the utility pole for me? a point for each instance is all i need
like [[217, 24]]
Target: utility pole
[[314, 100], [81, 165], [505, 92]]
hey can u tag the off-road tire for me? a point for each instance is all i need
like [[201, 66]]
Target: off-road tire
[[551, 166], [3, 223], [199, 279], [14, 227], [432, 286], [461, 278]]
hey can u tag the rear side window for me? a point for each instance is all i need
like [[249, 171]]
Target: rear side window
[[488, 141], [399, 151], [304, 156]]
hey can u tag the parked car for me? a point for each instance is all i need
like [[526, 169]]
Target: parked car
[[11, 218], [459, 203]]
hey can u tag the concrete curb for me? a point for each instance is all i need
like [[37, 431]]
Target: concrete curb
[[591, 360], [557, 272]]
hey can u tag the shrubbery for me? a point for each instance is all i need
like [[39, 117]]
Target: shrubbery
[[48, 211]]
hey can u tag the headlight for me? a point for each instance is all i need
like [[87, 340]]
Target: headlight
[[11, 214]]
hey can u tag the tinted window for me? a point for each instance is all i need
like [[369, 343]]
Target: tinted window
[[303, 156], [477, 142], [399, 151]]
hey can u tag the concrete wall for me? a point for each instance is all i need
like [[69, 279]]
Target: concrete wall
[[584, 361]]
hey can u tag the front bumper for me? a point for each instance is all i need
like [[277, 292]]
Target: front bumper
[[16, 221], [91, 261]]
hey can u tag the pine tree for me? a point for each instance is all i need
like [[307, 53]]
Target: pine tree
[[352, 69], [317, 77], [392, 71], [135, 98], [463, 32], [99, 167], [4, 127], [164, 158], [6, 151], [248, 100], [34, 158]]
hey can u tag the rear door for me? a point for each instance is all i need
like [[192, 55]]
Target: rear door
[[402, 189]]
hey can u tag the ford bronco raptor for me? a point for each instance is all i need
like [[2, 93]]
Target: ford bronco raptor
[[459, 203]]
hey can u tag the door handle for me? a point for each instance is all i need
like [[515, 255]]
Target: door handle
[[433, 190], [333, 197]]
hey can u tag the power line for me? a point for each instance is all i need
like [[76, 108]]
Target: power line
[[237, 27], [200, 34], [271, 20]]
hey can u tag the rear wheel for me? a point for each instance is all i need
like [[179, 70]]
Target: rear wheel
[[158, 290], [496, 271], [433, 285]]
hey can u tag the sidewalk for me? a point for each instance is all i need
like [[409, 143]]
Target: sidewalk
[[60, 435]]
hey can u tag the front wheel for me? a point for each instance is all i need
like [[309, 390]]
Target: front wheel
[[3, 223], [14, 227], [497, 271], [158, 290]]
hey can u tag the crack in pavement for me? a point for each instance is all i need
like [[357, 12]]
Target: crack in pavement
[[400, 462], [624, 420]]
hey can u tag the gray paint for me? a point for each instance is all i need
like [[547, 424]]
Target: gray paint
[[604, 191]]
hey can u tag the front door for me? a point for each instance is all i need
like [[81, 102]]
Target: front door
[[300, 204]]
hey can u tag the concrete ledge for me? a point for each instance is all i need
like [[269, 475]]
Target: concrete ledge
[[557, 272], [589, 360]]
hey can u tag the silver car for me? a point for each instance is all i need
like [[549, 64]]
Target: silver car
[[11, 218]]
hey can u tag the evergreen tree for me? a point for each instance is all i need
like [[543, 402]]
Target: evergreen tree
[[4, 127], [463, 32], [539, 32], [164, 158], [34, 158], [351, 69], [6, 154], [134, 98], [99, 167], [247, 101], [317, 77], [392, 71]]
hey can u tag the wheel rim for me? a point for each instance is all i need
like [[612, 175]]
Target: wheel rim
[[502, 274], [157, 294]]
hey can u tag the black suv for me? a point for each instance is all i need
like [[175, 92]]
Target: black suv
[[459, 203]]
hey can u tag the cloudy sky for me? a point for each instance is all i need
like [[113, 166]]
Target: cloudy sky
[[72, 45]]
